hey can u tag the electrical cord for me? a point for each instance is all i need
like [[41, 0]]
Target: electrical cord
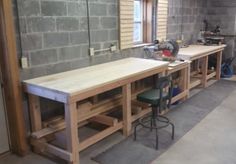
[[88, 21]]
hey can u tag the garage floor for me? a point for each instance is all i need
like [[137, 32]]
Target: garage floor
[[211, 141]]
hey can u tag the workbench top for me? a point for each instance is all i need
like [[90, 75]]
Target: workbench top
[[196, 51], [81, 80]]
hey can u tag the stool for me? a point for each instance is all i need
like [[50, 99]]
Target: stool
[[159, 98]]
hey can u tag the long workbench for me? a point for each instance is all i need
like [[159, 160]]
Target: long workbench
[[74, 86], [201, 52]]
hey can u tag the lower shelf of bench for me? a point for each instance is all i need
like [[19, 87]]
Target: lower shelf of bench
[[43, 146]]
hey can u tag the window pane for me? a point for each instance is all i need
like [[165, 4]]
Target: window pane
[[137, 10], [137, 32]]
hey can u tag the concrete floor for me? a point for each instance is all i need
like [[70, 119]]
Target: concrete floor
[[212, 141]]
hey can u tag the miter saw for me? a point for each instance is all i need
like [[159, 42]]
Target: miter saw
[[167, 50]]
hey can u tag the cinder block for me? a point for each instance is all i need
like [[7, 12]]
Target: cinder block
[[67, 24], [31, 41], [77, 9], [113, 34], [43, 57], [41, 24], [23, 25], [54, 8], [98, 9], [99, 35], [112, 9], [28, 7], [109, 22], [68, 53], [94, 23], [58, 67], [85, 62], [79, 37], [84, 51], [55, 39]]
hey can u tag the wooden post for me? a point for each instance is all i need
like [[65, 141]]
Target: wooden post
[[218, 66], [35, 116], [11, 78], [188, 76], [72, 138], [35, 113], [204, 71], [126, 102], [184, 86]]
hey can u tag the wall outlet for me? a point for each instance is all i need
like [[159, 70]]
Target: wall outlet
[[113, 48], [24, 62], [91, 51]]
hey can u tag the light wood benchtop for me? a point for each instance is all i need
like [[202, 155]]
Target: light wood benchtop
[[81, 80], [197, 51]]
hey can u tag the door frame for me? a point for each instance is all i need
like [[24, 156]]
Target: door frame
[[12, 87]]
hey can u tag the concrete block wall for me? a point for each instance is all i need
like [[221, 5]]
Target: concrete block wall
[[186, 17], [54, 34], [223, 13]]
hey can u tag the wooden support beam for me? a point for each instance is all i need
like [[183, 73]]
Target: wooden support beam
[[97, 137], [194, 82], [84, 107], [211, 75], [12, 89], [126, 104], [179, 96], [35, 113], [72, 139], [141, 114], [106, 120], [204, 71], [218, 65], [43, 146], [101, 107]]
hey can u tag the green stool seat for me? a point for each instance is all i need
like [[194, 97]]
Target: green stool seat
[[151, 96]]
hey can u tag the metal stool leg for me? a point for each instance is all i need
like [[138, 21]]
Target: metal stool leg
[[135, 131], [173, 131], [157, 140], [151, 125]]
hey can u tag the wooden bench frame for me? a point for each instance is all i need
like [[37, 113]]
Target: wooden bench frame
[[195, 79], [71, 153]]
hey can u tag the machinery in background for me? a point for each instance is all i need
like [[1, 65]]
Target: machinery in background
[[227, 68], [213, 37], [166, 50]]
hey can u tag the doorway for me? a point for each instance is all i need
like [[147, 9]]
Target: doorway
[[11, 106], [4, 141]]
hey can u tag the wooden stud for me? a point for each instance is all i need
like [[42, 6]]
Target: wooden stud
[[126, 101], [204, 71], [97, 137], [35, 113], [106, 120], [218, 66], [11, 78], [72, 138], [188, 79]]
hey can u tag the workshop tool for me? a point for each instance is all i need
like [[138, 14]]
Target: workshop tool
[[227, 68], [169, 49]]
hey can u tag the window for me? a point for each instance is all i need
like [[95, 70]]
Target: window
[[142, 21], [142, 27], [138, 21]]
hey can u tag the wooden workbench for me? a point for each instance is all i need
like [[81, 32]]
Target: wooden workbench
[[74, 86], [201, 52], [184, 68]]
